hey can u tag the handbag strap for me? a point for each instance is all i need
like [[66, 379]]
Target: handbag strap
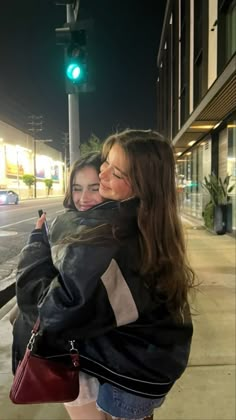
[[36, 326], [34, 332], [74, 354]]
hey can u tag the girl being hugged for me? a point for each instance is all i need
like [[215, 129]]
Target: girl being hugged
[[123, 280]]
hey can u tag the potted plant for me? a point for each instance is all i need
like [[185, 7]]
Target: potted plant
[[218, 211]]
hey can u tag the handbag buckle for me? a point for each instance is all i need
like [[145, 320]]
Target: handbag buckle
[[74, 354], [30, 344], [73, 349]]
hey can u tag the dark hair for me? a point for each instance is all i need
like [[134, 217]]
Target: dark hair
[[152, 177], [92, 159]]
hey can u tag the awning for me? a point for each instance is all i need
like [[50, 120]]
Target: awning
[[215, 106]]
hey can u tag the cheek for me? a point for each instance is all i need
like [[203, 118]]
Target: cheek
[[76, 196], [121, 191], [97, 198]]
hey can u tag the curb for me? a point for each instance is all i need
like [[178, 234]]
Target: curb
[[7, 308]]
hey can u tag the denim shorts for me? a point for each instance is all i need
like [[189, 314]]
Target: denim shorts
[[124, 405]]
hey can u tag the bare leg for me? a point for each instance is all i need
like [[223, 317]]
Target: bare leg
[[90, 412], [85, 412], [110, 418]]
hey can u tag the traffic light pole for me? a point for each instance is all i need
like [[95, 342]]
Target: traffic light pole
[[73, 108], [74, 129]]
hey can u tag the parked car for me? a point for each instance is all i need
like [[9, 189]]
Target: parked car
[[8, 197]]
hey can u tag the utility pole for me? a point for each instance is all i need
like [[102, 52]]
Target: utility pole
[[65, 147], [36, 126], [73, 99]]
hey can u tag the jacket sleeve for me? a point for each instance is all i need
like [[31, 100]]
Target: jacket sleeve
[[79, 287], [35, 272], [77, 297]]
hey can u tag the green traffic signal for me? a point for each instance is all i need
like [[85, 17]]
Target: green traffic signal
[[78, 41], [74, 72]]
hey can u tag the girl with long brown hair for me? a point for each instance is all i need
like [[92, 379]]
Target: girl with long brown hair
[[123, 282]]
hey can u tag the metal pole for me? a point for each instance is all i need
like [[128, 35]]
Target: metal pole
[[35, 172], [18, 179], [73, 108], [74, 131], [65, 165]]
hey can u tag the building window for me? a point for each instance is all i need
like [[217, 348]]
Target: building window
[[200, 49], [175, 68], [231, 165], [160, 100], [184, 48], [226, 32], [198, 78], [191, 170]]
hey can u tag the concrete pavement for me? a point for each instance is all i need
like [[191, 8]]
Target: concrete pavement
[[206, 391]]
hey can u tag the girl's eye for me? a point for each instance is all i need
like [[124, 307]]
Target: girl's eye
[[117, 176], [76, 189], [114, 174], [95, 189]]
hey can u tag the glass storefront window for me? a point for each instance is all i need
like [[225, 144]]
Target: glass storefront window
[[231, 166], [191, 170], [231, 31]]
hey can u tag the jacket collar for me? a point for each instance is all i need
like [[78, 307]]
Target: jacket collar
[[111, 211]]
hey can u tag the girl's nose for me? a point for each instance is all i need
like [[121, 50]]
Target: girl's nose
[[84, 195], [104, 171]]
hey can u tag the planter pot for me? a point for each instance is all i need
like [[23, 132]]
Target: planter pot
[[220, 217], [229, 217]]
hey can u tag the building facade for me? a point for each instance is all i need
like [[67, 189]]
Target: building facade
[[196, 95], [20, 154]]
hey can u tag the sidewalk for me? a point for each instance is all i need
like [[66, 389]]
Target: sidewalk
[[206, 391]]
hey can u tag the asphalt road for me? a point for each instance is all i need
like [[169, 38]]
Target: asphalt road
[[17, 221]]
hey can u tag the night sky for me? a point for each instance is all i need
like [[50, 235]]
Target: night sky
[[32, 73]]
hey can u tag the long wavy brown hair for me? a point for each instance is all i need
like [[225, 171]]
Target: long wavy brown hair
[[163, 263], [152, 176]]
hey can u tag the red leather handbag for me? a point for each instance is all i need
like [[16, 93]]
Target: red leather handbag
[[46, 380]]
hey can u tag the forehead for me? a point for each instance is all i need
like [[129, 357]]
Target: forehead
[[86, 175], [118, 158]]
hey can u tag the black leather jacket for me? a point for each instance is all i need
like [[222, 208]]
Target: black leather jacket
[[92, 293]]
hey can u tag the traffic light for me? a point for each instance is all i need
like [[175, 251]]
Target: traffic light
[[77, 40], [76, 71]]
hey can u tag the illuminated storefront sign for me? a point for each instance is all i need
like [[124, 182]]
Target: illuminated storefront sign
[[55, 172], [17, 160], [2, 165], [47, 168], [40, 172]]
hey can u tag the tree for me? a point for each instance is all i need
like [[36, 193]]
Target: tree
[[29, 180], [93, 144], [49, 183]]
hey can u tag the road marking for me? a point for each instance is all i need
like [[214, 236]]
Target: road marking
[[34, 206], [17, 223], [7, 233], [26, 220]]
